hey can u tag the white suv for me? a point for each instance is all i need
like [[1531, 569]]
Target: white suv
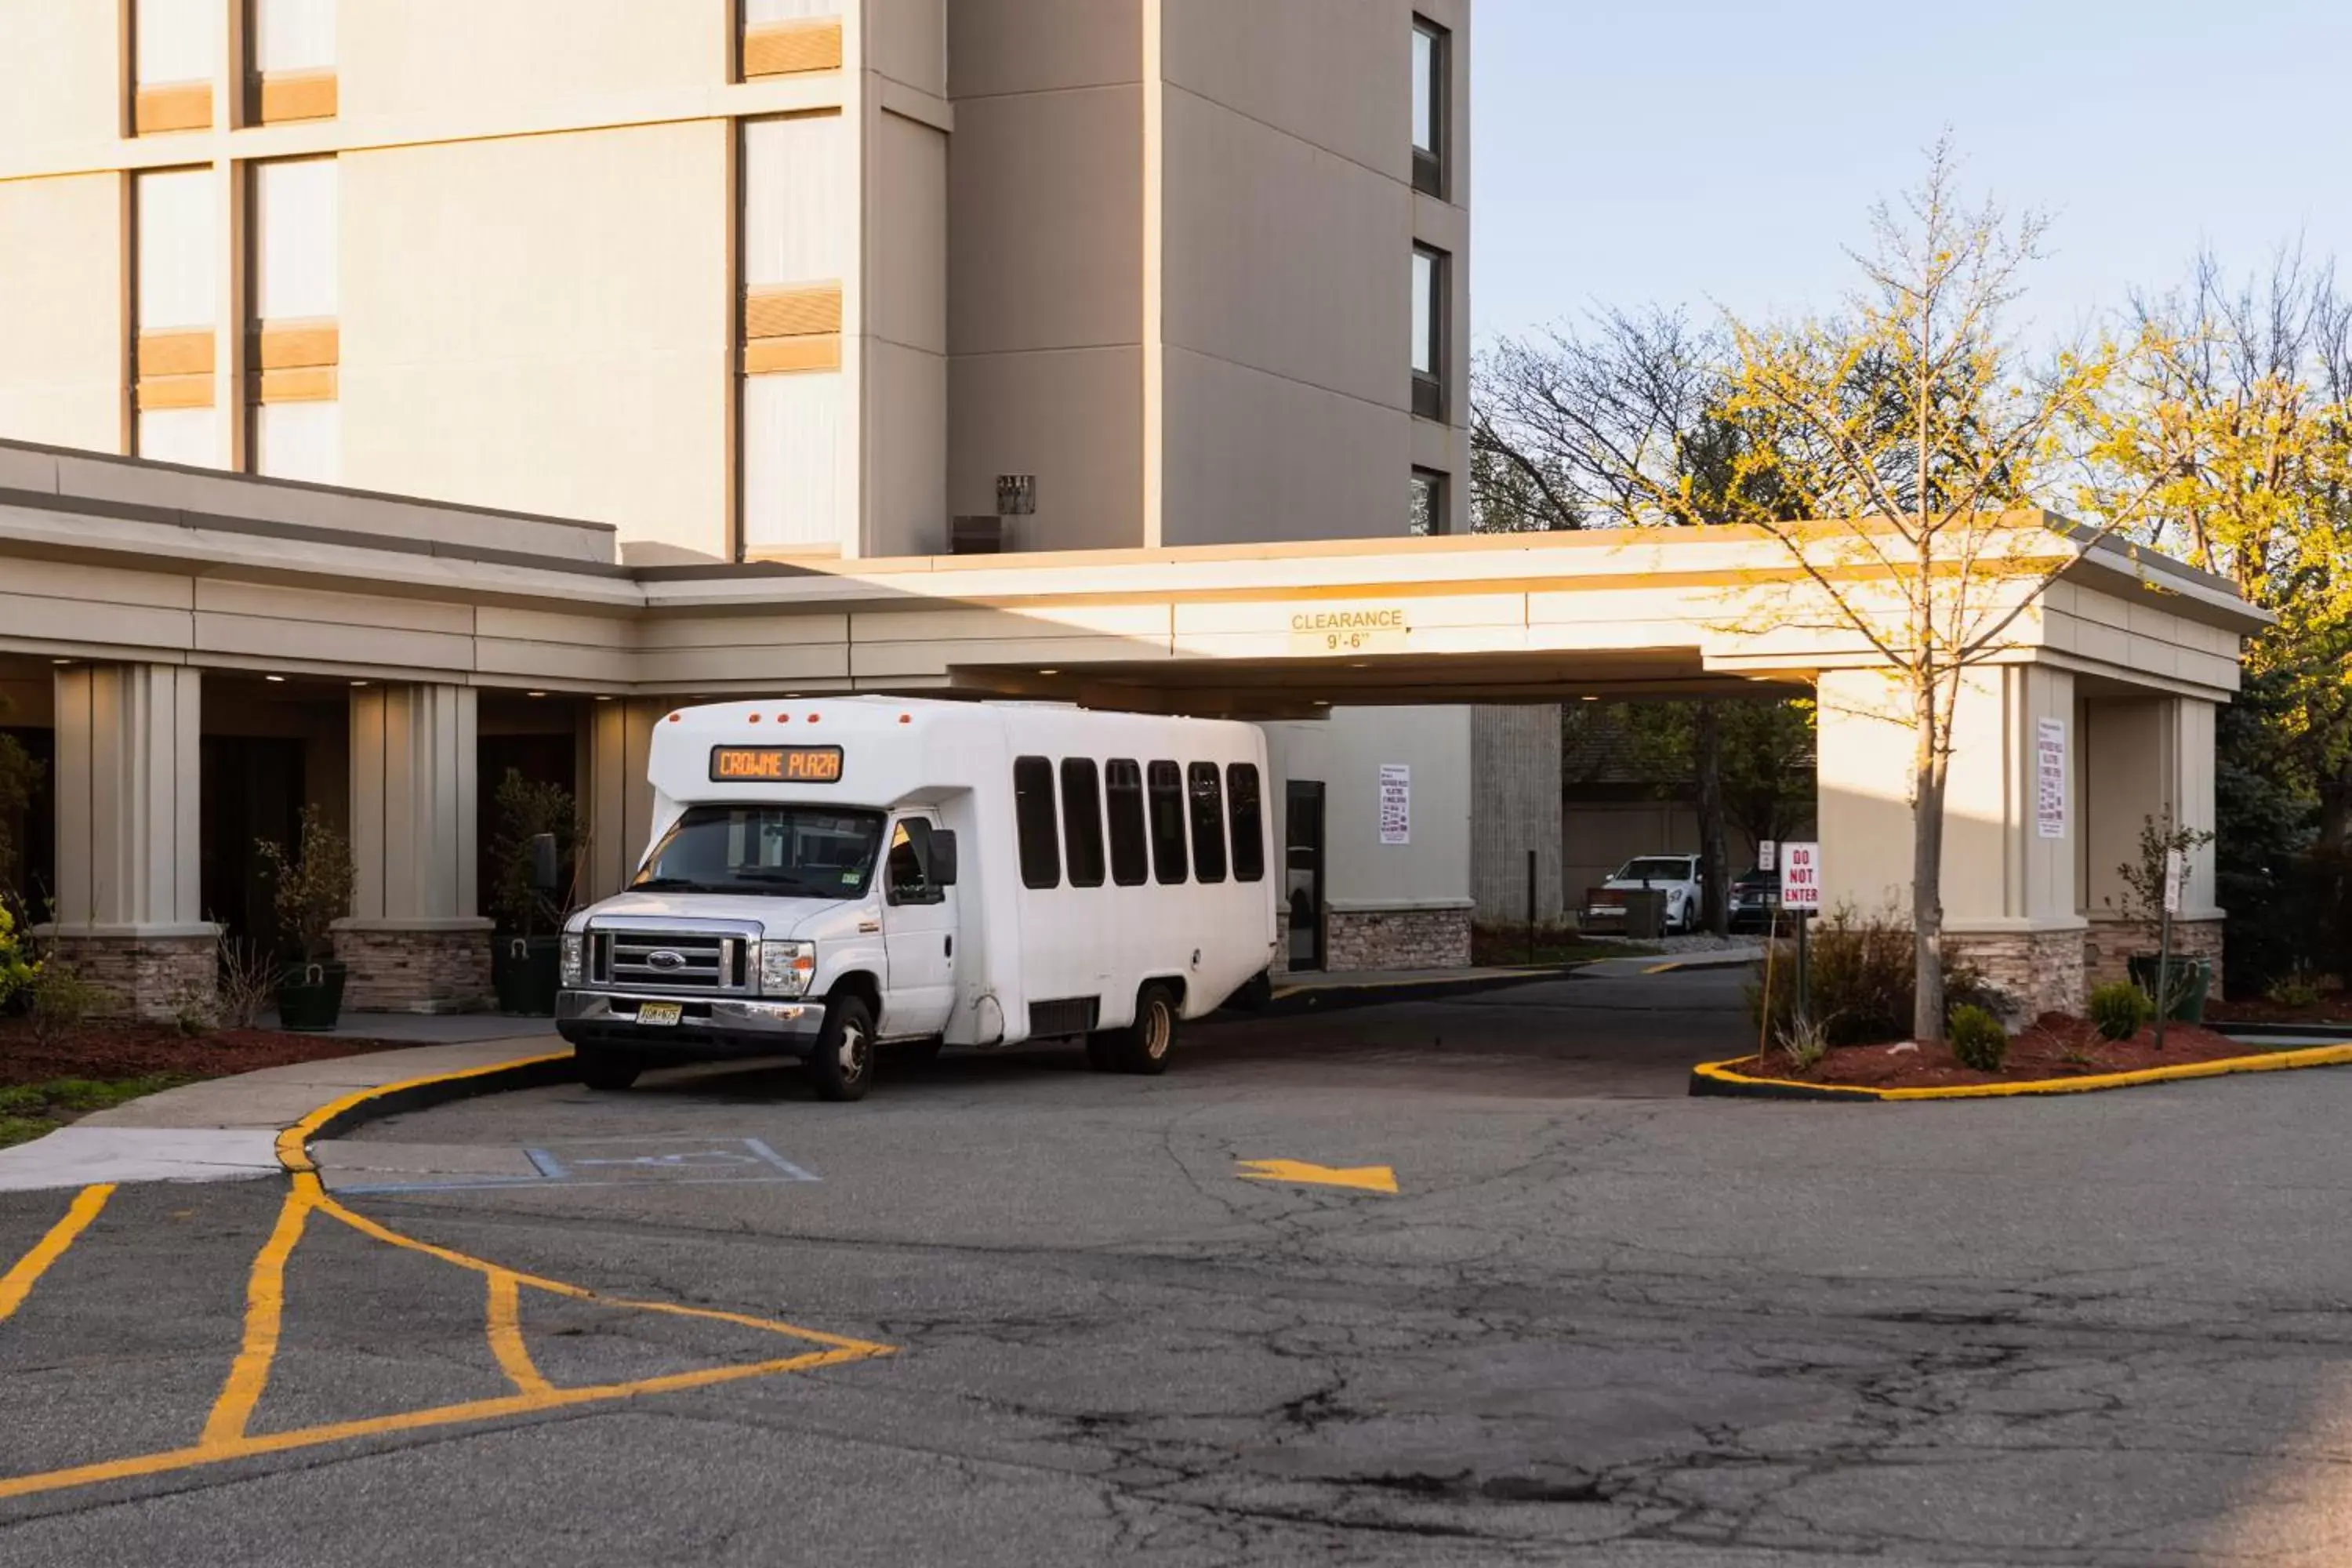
[[1677, 876]]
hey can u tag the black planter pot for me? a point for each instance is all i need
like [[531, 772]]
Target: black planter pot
[[310, 996], [2190, 979], [527, 972]]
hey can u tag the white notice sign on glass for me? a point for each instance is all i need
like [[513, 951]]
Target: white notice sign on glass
[[1396, 804], [2050, 778]]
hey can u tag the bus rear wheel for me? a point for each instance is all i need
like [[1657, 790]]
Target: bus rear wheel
[[1143, 1045]]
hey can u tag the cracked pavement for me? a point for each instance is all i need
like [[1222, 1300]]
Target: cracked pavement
[[1599, 1323]]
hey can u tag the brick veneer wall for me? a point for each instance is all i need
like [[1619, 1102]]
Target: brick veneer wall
[[142, 976], [2042, 970], [2109, 943], [415, 971], [1396, 939]]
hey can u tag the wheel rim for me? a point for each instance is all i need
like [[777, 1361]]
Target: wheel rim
[[851, 1054], [1156, 1030]]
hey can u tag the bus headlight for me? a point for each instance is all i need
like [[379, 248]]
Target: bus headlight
[[786, 968], [574, 945]]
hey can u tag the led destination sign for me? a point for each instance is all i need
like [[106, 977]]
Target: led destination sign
[[775, 764]]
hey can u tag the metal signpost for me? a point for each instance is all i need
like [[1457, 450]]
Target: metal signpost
[[2175, 874]]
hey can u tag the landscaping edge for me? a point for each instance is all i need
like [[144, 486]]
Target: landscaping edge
[[1722, 1079], [371, 1104]]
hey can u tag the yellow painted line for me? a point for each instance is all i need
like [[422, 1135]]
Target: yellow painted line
[[1367, 1178], [2269, 1061], [505, 1317], [265, 1311], [1662, 968], [226, 1435], [17, 1283]]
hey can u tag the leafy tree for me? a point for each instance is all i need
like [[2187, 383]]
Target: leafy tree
[[523, 810]]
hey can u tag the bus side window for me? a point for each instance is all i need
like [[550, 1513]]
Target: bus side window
[[1033, 816], [1208, 822], [907, 878], [1249, 823], [1167, 781], [1123, 779], [1082, 834]]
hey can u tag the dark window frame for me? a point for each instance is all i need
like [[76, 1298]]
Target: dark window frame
[[1083, 856], [1433, 166], [1204, 803], [1163, 791], [1040, 842], [1441, 502], [1129, 826], [1429, 399], [1247, 823]]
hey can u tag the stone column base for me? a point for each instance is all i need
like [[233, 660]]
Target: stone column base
[[415, 966], [2042, 969], [1418, 936], [156, 972], [2109, 945]]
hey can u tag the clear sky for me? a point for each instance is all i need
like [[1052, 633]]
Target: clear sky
[[1716, 152]]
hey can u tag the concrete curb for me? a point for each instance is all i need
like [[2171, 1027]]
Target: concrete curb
[[1720, 1081], [1328, 999], [373, 1104]]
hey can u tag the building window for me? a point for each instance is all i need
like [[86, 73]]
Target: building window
[[1123, 780], [798, 211], [1249, 822], [176, 232], [174, 47], [1167, 823], [1433, 55], [1033, 820], [1428, 515], [1429, 337], [292, 43], [1082, 827], [297, 429]]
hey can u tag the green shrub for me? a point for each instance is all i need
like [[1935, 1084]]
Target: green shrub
[[1862, 981], [1805, 1043], [1976, 1038], [2121, 1009], [62, 1000], [2294, 990]]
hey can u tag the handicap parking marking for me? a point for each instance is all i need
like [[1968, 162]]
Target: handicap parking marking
[[674, 1162]]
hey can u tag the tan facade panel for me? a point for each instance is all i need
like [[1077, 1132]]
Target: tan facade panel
[[176, 353], [790, 309], [1332, 73], [906, 41], [60, 78], [1074, 420], [62, 310], [289, 345], [176, 390], [561, 58], [178, 106], [1002, 46], [767, 356], [787, 49], [297, 95], [307, 384]]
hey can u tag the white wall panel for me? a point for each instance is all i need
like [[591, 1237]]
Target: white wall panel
[[294, 35], [792, 447], [757, 11], [178, 236], [176, 40], [296, 265], [299, 441], [799, 204], [190, 436]]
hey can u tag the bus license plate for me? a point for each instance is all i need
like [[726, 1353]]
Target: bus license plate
[[660, 1014]]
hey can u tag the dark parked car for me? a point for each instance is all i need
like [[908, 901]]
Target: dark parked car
[[1753, 896]]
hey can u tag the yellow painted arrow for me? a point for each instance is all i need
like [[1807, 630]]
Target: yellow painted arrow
[[1370, 1178]]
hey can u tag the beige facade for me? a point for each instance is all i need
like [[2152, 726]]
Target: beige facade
[[765, 278]]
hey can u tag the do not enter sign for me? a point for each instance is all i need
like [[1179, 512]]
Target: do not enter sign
[[1801, 876]]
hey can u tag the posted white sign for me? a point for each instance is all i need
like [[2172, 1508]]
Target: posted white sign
[[1396, 803], [2176, 876], [2050, 778], [1765, 848], [1800, 876]]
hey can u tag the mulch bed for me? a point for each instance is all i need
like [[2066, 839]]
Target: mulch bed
[[2333, 1008], [128, 1050], [2055, 1047]]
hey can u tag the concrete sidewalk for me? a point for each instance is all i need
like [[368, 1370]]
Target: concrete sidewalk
[[226, 1129]]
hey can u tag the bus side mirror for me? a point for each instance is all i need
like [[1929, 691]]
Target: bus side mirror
[[943, 857], [545, 878]]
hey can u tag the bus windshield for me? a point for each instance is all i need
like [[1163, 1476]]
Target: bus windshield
[[780, 851]]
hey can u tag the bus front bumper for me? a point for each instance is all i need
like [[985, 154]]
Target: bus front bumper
[[706, 1026]]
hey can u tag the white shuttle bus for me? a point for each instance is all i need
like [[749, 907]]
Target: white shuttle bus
[[828, 878]]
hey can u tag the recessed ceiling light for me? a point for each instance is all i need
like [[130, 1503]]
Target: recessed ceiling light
[[534, 694], [1049, 672], [359, 683], [60, 661], [604, 698], [1592, 700], [1319, 702], [275, 679]]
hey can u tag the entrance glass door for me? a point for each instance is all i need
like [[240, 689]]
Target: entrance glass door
[[1302, 860]]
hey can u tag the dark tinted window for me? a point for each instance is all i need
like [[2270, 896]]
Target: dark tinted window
[[1167, 822], [1124, 781], [1082, 827], [908, 869], [1208, 822], [1032, 814], [1249, 823]]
